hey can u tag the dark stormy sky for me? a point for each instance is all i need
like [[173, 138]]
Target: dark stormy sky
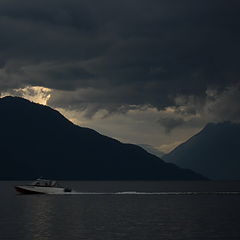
[[147, 72]]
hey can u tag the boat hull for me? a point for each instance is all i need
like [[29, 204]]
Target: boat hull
[[39, 190]]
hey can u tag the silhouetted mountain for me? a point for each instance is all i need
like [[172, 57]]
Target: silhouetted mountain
[[38, 141], [152, 150], [214, 151]]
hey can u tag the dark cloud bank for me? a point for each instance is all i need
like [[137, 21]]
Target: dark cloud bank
[[119, 55]]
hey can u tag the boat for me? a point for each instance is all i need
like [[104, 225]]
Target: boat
[[42, 186]]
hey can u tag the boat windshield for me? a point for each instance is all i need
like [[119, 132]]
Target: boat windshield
[[44, 183]]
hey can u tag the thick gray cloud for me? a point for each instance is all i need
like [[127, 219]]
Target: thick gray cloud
[[120, 55], [195, 111]]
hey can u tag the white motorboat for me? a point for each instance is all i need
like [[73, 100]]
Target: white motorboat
[[42, 186]]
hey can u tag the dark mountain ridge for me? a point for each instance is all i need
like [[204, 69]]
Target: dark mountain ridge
[[38, 141], [214, 151]]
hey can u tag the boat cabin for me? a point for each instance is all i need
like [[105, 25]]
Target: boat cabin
[[44, 183]]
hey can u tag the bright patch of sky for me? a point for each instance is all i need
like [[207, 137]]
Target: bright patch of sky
[[35, 94]]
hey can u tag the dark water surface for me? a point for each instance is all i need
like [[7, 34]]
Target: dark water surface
[[124, 210]]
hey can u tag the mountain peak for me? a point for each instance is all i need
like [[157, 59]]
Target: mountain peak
[[213, 151], [23, 111], [13, 99], [221, 125]]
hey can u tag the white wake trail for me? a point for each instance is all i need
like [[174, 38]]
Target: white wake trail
[[147, 193]]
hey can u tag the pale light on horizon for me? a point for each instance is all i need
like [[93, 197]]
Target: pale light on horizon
[[37, 94]]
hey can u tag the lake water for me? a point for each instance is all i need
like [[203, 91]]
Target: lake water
[[124, 210]]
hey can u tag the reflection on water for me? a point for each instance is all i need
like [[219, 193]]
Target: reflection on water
[[38, 217]]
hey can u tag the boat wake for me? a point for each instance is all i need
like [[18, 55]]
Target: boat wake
[[146, 193]]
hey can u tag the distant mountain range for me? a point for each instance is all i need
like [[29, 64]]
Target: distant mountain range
[[213, 152], [152, 150], [38, 141]]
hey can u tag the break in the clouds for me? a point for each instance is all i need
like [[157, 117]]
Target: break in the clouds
[[99, 58]]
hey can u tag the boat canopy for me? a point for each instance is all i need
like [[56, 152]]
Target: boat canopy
[[44, 183]]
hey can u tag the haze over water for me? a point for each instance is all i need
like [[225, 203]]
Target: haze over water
[[124, 210]]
